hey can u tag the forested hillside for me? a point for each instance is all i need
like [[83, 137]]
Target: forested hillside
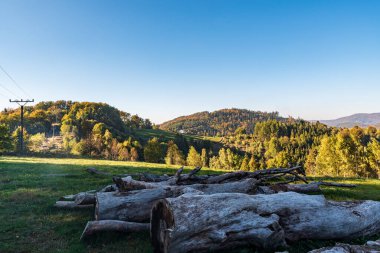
[[218, 123], [323, 150], [249, 140], [92, 130]]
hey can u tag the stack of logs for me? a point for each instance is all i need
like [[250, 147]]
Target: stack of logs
[[264, 209]]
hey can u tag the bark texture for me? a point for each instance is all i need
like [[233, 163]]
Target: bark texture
[[94, 227], [195, 223], [136, 205], [71, 205], [369, 247]]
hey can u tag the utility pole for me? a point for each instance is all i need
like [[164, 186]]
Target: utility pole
[[21, 103]]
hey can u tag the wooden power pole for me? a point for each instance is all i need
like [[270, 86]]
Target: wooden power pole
[[21, 103]]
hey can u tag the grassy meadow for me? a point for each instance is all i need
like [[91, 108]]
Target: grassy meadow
[[30, 186]]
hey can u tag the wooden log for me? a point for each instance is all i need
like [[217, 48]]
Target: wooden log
[[313, 187], [196, 223], [136, 205], [94, 227], [85, 198], [71, 205], [369, 247], [128, 183], [109, 188]]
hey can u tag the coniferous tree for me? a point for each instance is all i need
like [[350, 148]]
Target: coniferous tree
[[204, 158], [245, 164], [174, 155], [194, 158]]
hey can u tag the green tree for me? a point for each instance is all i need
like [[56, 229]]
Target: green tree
[[5, 138], [174, 155], [194, 158], [347, 151], [123, 154], [374, 155], [36, 141], [327, 161], [153, 151], [245, 163], [204, 157], [16, 137], [134, 154], [253, 165]]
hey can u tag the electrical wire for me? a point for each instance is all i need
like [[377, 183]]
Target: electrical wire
[[1, 94], [13, 80], [11, 92]]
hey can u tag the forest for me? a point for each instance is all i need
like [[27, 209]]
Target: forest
[[248, 140]]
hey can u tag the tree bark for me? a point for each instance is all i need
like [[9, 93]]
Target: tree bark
[[136, 205], [196, 223], [369, 247], [129, 184], [85, 198], [71, 205], [93, 227], [313, 187]]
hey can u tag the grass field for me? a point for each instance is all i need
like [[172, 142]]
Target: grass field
[[30, 186]]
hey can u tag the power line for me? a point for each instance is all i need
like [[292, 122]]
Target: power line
[[21, 103], [11, 92], [13, 80], [1, 94]]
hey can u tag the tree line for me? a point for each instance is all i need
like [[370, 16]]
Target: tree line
[[102, 131], [218, 123]]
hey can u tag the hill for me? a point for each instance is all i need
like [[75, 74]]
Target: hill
[[359, 119], [218, 123]]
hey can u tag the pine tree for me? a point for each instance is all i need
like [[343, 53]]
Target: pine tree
[[174, 155], [253, 165], [204, 158], [245, 163], [194, 158]]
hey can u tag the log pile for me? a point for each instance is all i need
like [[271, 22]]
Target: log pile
[[265, 209]]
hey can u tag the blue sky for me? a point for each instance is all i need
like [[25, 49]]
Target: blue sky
[[314, 59]]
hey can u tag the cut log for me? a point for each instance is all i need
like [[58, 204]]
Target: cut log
[[85, 198], [313, 187], [94, 227], [136, 205], [196, 223], [109, 188], [129, 184], [71, 205]]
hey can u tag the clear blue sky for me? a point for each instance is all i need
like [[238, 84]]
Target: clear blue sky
[[315, 59]]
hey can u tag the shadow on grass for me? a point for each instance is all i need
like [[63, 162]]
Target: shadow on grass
[[30, 186]]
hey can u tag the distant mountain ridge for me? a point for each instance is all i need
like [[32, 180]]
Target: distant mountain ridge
[[220, 122], [358, 119]]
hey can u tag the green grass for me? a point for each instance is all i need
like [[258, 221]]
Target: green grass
[[30, 186]]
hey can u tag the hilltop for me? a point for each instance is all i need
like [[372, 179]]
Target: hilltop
[[359, 119], [220, 122]]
